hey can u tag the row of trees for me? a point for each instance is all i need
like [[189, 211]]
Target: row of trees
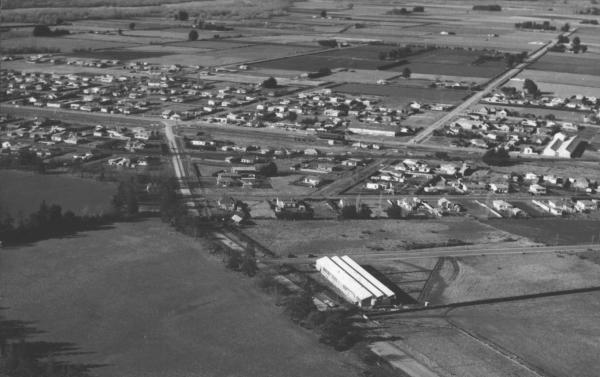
[[45, 31], [535, 25], [335, 328], [395, 54], [47, 222], [491, 7], [51, 221], [404, 11]]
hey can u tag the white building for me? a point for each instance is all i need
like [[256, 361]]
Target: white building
[[356, 284], [561, 146]]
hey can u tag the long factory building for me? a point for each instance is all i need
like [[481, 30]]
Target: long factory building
[[356, 284]]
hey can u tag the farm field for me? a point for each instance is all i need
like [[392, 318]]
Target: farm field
[[568, 63], [452, 62], [487, 277], [552, 231], [142, 300], [446, 61], [64, 44], [405, 95], [22, 192], [445, 349], [566, 325], [561, 78], [359, 237]]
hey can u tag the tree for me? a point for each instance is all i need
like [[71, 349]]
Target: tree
[[131, 25], [323, 14], [268, 169], [531, 87], [406, 73], [182, 15], [41, 31], [497, 156], [248, 265], [576, 42], [270, 83], [193, 35], [563, 39], [566, 27]]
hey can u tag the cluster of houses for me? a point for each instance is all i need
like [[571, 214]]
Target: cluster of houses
[[490, 127], [417, 207], [49, 139], [123, 94], [565, 207], [514, 97], [329, 114], [128, 162], [444, 178]]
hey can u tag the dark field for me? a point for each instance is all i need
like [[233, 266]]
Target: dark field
[[568, 63], [22, 192], [552, 231], [440, 61], [405, 94], [452, 63], [143, 300], [362, 57], [118, 54]]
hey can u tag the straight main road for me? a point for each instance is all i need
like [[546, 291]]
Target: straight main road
[[491, 86]]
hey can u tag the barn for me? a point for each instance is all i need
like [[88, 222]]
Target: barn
[[356, 284]]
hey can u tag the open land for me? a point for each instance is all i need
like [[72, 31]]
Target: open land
[[140, 300], [491, 258]]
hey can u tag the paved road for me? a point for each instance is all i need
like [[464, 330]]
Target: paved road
[[424, 134], [459, 251], [180, 168]]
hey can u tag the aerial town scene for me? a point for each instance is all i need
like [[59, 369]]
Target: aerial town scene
[[299, 188]]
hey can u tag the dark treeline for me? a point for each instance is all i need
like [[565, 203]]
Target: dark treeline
[[50, 221], [535, 25], [491, 7], [47, 222], [45, 31]]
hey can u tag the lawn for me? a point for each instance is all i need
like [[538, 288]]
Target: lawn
[[142, 300], [22, 192], [559, 336]]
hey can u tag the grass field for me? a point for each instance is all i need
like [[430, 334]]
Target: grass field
[[440, 61], [552, 231], [22, 192], [569, 63], [567, 328], [447, 351], [355, 236], [476, 278], [142, 300], [452, 62]]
